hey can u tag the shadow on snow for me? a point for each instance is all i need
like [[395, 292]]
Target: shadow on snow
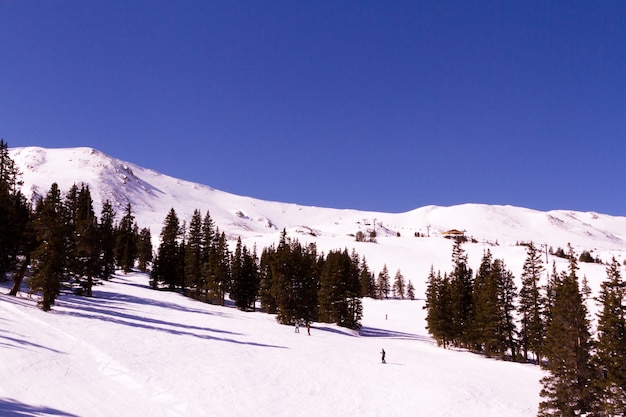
[[12, 408], [391, 334], [111, 309]]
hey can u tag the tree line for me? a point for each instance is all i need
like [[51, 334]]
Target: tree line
[[485, 313], [291, 280], [62, 240], [66, 246]]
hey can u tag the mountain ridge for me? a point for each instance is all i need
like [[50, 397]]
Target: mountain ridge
[[152, 194]]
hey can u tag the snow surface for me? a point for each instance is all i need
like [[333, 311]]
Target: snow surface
[[155, 353], [134, 351]]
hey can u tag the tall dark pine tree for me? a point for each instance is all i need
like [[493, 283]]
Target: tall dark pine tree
[[126, 240], [107, 238], [87, 243], [168, 265], [566, 387], [144, 249], [368, 283], [268, 302], [461, 284], [610, 359], [245, 278], [507, 295], [531, 305], [193, 256], [399, 285], [294, 281], [14, 220], [48, 259], [437, 306], [383, 283], [339, 290], [410, 291], [485, 321], [218, 269]]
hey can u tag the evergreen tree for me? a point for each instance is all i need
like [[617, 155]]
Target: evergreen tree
[[144, 249], [566, 387], [295, 279], [107, 238], [218, 269], [48, 257], [461, 284], [168, 265], [383, 284], [368, 284], [410, 291], [266, 296], [126, 240], [531, 305], [610, 385], [485, 320], [193, 256], [507, 294], [14, 214], [399, 285], [438, 308], [87, 244], [245, 278], [339, 291]]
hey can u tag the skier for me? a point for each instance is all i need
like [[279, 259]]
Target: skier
[[308, 328], [382, 352], [297, 327]]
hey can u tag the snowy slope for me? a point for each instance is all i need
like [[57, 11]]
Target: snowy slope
[[138, 352], [158, 354], [258, 222]]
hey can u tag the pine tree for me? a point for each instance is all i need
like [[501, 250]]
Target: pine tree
[[126, 240], [87, 242], [485, 320], [461, 284], [507, 294], [14, 215], [218, 269], [399, 285], [144, 249], [368, 284], [294, 281], [48, 257], [410, 291], [107, 238], [339, 291], [566, 387], [268, 302], [193, 255], [610, 360], [438, 308], [169, 261], [245, 278], [383, 283], [531, 305]]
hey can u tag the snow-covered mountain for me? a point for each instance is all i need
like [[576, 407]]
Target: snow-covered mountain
[[152, 195], [259, 222], [120, 342]]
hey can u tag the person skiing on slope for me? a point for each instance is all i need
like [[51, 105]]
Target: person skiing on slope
[[382, 352], [297, 327]]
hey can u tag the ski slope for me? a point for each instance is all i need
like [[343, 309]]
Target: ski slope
[[134, 351]]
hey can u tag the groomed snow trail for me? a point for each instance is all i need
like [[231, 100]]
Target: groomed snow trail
[[131, 350]]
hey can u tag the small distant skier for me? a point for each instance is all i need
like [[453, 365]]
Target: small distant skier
[[382, 352], [308, 328], [297, 327]]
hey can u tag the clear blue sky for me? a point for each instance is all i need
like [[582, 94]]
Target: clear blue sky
[[372, 105]]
